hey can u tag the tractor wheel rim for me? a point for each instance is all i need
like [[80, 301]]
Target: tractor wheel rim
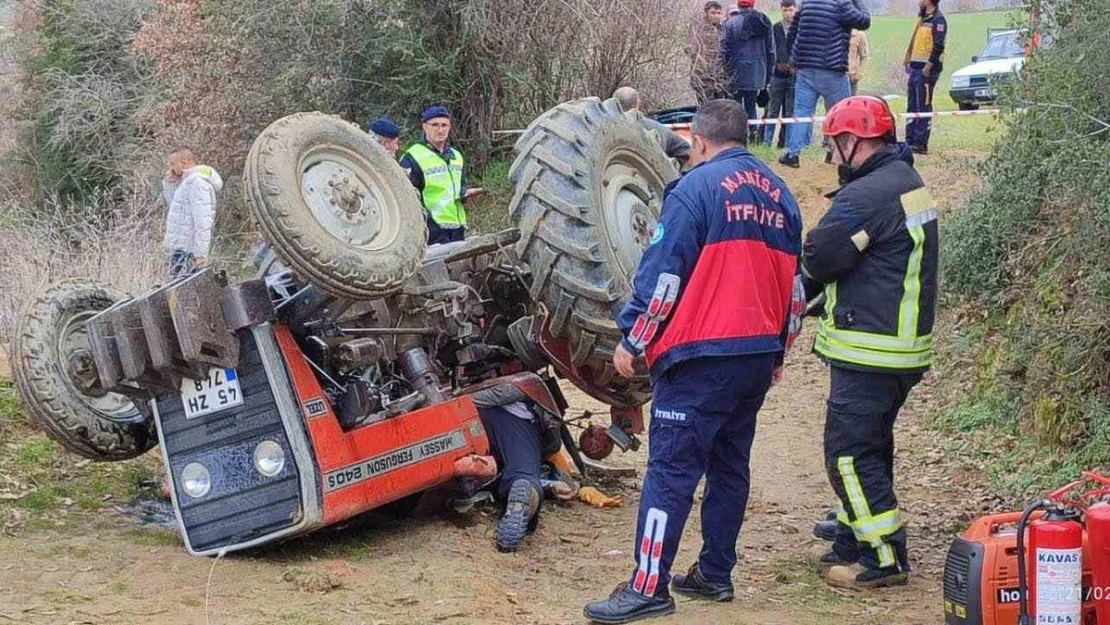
[[350, 201], [631, 207], [75, 356]]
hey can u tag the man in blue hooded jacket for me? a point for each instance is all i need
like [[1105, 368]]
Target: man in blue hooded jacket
[[748, 55]]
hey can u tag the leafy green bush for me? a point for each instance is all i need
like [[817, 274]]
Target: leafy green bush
[[1030, 248], [80, 89]]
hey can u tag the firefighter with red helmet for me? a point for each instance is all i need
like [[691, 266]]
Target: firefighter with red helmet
[[874, 255]]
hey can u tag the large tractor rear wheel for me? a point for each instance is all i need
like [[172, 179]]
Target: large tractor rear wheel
[[54, 373], [589, 185], [335, 206]]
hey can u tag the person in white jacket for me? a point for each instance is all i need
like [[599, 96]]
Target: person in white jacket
[[192, 211]]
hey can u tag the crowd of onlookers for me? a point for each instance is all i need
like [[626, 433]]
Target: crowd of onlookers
[[818, 50]]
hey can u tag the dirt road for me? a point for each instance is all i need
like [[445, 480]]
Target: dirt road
[[99, 568]]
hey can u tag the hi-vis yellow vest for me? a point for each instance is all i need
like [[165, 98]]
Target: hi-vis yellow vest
[[443, 190]]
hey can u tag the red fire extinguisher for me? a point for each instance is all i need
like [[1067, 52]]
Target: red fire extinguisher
[[1051, 574], [1098, 549]]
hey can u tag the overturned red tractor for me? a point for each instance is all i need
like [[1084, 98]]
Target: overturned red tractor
[[343, 376]]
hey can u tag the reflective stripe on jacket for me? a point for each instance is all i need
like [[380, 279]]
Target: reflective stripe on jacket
[[876, 251], [718, 276], [927, 42], [443, 184]]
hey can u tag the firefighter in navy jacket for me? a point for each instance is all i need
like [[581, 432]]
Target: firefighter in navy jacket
[[711, 311], [874, 254]]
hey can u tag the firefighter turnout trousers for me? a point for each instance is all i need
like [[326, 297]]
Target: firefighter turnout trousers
[[702, 423], [859, 458]]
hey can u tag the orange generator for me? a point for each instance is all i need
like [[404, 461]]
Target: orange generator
[[1059, 573]]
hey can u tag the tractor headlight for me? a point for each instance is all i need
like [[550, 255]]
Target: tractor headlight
[[960, 82], [195, 480], [269, 458]]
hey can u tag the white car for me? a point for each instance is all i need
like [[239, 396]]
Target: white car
[[978, 83]]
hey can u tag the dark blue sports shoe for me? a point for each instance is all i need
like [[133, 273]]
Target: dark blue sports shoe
[[626, 605]]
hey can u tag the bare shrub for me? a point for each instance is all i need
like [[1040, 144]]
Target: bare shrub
[[120, 247]]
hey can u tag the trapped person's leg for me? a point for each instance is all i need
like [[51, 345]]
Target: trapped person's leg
[[516, 443]]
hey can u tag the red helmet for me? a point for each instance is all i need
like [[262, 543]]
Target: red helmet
[[863, 116]]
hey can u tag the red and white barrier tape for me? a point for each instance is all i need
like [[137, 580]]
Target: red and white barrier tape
[[821, 118], [815, 119]]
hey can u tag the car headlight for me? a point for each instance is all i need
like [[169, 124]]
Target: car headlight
[[961, 81], [195, 480], [269, 458]]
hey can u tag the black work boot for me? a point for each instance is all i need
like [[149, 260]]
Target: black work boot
[[693, 584], [626, 605], [790, 160], [520, 514]]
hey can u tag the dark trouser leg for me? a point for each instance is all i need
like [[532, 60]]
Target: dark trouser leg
[[859, 442], [747, 98], [919, 92], [181, 264], [926, 125], [728, 478], [438, 234], [676, 462], [515, 443], [775, 108], [787, 111]]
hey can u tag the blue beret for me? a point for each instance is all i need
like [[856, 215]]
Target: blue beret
[[384, 127], [433, 112]]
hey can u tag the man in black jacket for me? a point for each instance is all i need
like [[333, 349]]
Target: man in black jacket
[[874, 254], [820, 34], [782, 78]]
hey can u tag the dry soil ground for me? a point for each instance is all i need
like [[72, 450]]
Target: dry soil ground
[[97, 567]]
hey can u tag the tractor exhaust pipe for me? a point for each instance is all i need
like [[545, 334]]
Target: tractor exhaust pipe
[[418, 371]]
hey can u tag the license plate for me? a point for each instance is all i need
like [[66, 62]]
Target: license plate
[[219, 391], [984, 93]]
